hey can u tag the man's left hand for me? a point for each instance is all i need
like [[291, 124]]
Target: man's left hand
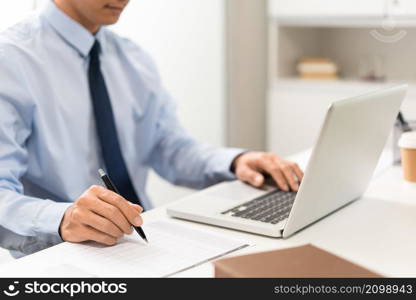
[[251, 167]]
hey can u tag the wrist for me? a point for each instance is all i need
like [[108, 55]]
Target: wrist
[[234, 163], [62, 223]]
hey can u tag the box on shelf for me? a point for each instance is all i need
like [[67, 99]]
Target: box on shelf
[[317, 68]]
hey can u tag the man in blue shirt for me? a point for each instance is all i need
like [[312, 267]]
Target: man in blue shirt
[[75, 97]]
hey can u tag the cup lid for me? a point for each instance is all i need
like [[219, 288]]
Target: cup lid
[[408, 140]]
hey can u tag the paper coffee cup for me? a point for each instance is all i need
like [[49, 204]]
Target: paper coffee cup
[[407, 144]]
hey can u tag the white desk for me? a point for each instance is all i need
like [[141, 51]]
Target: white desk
[[378, 231]]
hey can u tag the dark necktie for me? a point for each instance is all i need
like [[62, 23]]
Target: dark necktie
[[106, 129]]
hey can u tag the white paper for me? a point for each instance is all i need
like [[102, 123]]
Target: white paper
[[172, 248], [64, 270]]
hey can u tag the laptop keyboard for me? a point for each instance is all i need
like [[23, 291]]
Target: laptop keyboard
[[270, 208]]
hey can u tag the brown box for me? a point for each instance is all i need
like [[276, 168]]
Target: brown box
[[303, 261]]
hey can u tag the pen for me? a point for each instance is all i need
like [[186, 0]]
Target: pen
[[109, 185]]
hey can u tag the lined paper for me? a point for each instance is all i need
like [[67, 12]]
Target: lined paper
[[172, 248]]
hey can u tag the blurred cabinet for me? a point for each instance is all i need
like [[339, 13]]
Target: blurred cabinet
[[401, 8], [342, 12], [297, 108], [326, 8], [358, 36]]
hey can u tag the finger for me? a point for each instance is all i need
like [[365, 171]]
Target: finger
[[138, 208], [248, 175], [101, 224], [274, 170], [289, 174], [111, 213], [92, 234], [298, 172], [123, 205], [280, 179]]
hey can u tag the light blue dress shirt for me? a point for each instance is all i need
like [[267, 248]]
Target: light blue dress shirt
[[49, 153]]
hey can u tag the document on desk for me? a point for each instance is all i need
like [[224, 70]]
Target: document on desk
[[172, 248]]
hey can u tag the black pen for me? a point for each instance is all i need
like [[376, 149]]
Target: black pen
[[109, 185]]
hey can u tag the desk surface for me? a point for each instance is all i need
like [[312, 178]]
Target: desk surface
[[376, 231]]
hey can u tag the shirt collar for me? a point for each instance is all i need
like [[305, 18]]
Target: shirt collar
[[71, 31]]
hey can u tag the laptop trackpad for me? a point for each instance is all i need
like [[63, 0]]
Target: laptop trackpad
[[225, 196], [236, 191]]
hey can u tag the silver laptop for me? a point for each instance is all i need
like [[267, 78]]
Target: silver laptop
[[343, 160]]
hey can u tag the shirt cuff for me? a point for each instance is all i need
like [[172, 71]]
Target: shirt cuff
[[226, 160], [49, 217]]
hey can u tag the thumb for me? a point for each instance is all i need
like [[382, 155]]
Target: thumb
[[248, 175]]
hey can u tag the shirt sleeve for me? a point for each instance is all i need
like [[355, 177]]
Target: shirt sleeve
[[24, 216], [183, 160]]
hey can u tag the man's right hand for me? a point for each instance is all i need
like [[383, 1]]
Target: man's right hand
[[99, 215]]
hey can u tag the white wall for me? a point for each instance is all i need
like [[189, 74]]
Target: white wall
[[186, 38]]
